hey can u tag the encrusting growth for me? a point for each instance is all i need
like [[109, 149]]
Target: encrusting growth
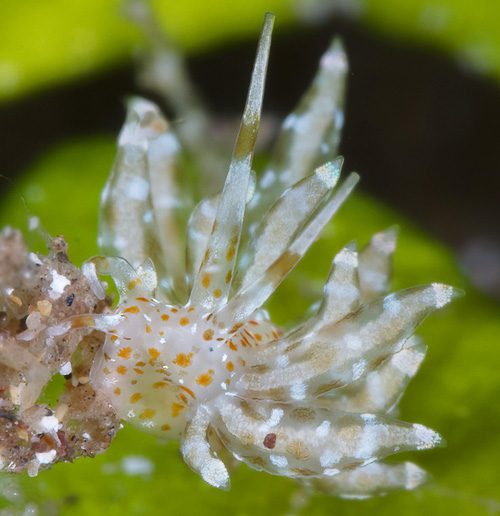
[[189, 348]]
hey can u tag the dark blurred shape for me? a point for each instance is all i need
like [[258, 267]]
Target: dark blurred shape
[[422, 132]]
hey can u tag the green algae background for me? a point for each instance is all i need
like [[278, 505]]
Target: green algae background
[[52, 41], [457, 389]]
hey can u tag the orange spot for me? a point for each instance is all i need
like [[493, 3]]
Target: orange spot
[[113, 338], [229, 276], [189, 391], [204, 379], [106, 357], [165, 317], [148, 328], [166, 427], [154, 354], [183, 398], [107, 371], [275, 335], [147, 413], [133, 382], [183, 360], [184, 321], [141, 364], [121, 369], [135, 397], [159, 385], [174, 310], [230, 253], [217, 293], [208, 334], [143, 299], [176, 408], [117, 391], [255, 323], [138, 371], [132, 284], [258, 337], [243, 362], [191, 309], [230, 366], [232, 346], [132, 310], [205, 281], [161, 333], [125, 353]]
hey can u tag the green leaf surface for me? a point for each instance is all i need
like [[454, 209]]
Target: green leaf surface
[[456, 391], [51, 41]]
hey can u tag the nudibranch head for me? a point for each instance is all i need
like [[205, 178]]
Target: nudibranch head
[[191, 351], [161, 360]]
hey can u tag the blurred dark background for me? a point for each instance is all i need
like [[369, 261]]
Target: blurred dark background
[[423, 130]]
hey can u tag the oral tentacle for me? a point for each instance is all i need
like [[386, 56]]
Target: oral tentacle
[[213, 281]]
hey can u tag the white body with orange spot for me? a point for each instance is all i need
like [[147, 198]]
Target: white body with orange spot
[[160, 359], [311, 404]]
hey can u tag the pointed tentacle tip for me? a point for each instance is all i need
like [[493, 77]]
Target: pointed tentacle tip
[[335, 58], [428, 438], [329, 173]]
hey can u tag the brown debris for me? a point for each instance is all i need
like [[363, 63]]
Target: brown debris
[[37, 293]]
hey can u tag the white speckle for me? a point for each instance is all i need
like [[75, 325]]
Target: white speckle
[[330, 472], [223, 386], [165, 145], [133, 465], [34, 258], [368, 442], [137, 188], [443, 294], [59, 283], [368, 418], [298, 392], [267, 179], [214, 473], [237, 457], [358, 369], [46, 457], [328, 458], [408, 361], [323, 429], [66, 369], [279, 461], [353, 341], [427, 436], [148, 216], [130, 414], [49, 424], [392, 305], [329, 174], [282, 361], [276, 415], [86, 435]]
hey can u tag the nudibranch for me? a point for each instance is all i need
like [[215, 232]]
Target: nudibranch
[[190, 351]]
